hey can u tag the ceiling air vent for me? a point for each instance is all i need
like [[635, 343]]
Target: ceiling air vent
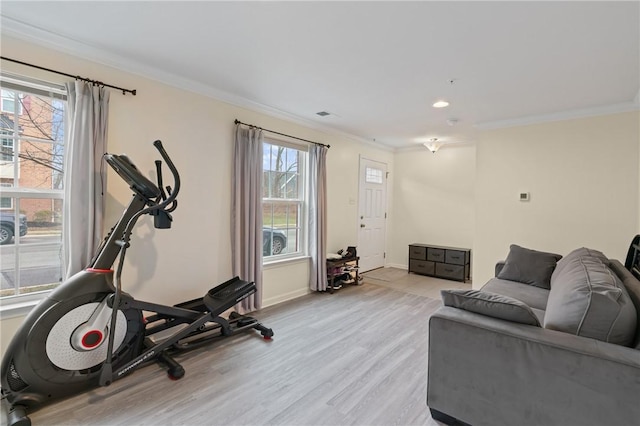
[[323, 113]]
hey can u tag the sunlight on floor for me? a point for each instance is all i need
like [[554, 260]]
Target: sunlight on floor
[[421, 285]]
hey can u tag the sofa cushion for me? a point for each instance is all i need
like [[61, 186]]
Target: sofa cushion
[[588, 299], [490, 304], [535, 297], [529, 266], [632, 285], [580, 252]]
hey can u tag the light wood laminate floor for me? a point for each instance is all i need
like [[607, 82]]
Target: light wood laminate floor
[[355, 357]]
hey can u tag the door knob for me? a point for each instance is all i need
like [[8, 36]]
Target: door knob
[[362, 225]]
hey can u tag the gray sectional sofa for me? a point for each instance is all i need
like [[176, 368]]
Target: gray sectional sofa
[[550, 340]]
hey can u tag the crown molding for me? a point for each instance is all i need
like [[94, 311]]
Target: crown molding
[[563, 115], [38, 36]]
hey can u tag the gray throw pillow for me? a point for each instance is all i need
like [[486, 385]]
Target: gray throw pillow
[[490, 304], [529, 266]]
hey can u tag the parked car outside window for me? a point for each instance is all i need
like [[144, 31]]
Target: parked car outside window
[[8, 228], [274, 241]]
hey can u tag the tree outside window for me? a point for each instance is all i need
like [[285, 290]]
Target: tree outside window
[[31, 183]]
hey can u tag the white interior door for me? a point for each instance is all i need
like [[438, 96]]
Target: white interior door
[[372, 214]]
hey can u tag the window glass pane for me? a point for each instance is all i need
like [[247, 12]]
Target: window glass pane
[[31, 157], [6, 146], [267, 214], [5, 202], [8, 101], [41, 165], [293, 216], [292, 185], [279, 185], [373, 175], [33, 247]]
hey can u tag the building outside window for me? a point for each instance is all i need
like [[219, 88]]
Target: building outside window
[[9, 102], [31, 186], [6, 144], [283, 200]]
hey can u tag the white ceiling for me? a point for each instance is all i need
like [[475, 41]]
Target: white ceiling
[[376, 66]]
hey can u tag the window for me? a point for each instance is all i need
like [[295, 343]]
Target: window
[[31, 192], [9, 102], [373, 175], [283, 200], [6, 144], [6, 202]]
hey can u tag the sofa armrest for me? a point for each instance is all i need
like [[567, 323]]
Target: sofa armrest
[[484, 370], [499, 266]]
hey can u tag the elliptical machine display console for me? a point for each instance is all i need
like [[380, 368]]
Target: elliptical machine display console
[[88, 332]]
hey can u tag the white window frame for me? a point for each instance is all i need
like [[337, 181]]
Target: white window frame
[[302, 200], [20, 304]]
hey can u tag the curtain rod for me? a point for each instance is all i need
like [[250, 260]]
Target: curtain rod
[[281, 134], [77, 77]]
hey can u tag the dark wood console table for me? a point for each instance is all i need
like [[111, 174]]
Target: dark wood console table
[[451, 263]]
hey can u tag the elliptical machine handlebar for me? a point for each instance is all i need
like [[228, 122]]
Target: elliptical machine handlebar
[[176, 178], [148, 199]]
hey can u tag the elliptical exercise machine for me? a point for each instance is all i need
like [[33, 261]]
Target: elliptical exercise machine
[[89, 333]]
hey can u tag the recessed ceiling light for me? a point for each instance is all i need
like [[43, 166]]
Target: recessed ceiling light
[[441, 104]]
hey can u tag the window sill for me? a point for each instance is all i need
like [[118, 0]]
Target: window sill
[[21, 305], [284, 262]]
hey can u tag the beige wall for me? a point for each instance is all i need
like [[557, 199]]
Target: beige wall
[[433, 200], [168, 266], [582, 175]]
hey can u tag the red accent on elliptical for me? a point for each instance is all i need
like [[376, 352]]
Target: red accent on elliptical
[[99, 271], [92, 344]]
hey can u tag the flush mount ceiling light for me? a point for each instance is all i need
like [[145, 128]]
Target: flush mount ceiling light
[[323, 113], [441, 104], [433, 145]]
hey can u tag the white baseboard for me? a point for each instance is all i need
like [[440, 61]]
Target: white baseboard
[[396, 265], [284, 297]]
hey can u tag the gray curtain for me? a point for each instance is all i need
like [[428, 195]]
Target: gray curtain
[[318, 217], [84, 178], [246, 214]]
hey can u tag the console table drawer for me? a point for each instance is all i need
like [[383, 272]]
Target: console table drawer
[[456, 257], [416, 252], [454, 272], [435, 254], [421, 266]]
